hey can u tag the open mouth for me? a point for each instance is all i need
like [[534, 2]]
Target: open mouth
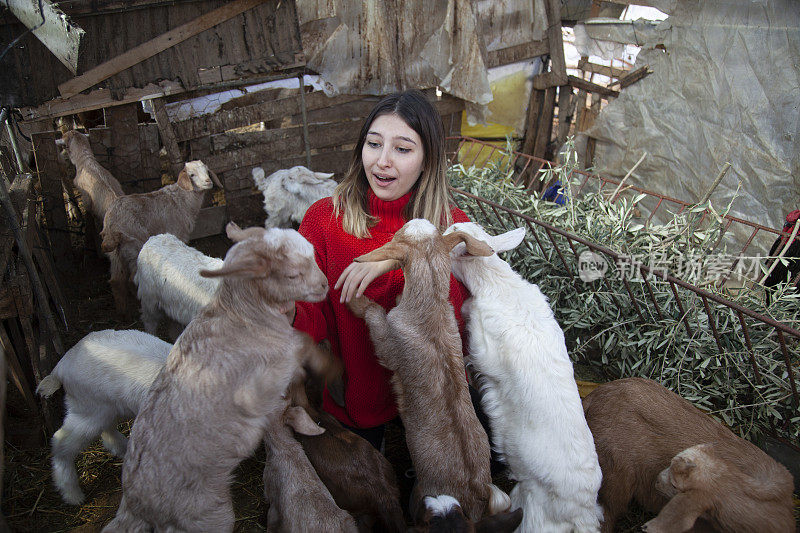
[[383, 179]]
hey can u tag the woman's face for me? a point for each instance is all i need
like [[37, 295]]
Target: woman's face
[[393, 157]]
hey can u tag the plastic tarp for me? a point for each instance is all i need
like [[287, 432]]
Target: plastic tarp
[[607, 38], [377, 47], [725, 88]]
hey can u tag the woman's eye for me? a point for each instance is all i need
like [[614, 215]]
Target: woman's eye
[[373, 144], [403, 150]]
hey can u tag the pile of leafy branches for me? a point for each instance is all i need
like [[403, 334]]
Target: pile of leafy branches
[[663, 332]]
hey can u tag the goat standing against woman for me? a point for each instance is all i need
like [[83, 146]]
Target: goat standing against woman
[[528, 390], [418, 340], [222, 388]]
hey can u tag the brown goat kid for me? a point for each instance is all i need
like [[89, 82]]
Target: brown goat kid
[[640, 428], [360, 479], [418, 340], [134, 218]]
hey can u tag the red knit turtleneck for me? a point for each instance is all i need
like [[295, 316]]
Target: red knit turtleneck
[[369, 400]]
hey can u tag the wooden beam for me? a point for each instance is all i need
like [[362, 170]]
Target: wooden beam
[[154, 46], [512, 54], [558, 68], [634, 76], [605, 70], [580, 83], [98, 99], [52, 27], [168, 136]]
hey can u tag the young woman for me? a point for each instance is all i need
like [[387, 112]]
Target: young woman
[[397, 173]]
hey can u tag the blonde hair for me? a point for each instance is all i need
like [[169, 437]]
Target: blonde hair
[[431, 199]]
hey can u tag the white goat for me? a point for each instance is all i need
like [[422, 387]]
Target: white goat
[[289, 192], [169, 283], [98, 188], [105, 376], [134, 218], [529, 391], [418, 340], [223, 386]]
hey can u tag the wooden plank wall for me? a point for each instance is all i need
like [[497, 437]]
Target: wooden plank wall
[[258, 129], [266, 130]]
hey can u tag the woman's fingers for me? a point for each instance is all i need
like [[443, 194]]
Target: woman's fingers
[[357, 276]]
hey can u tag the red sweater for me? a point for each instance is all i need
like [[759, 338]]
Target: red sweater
[[369, 400]]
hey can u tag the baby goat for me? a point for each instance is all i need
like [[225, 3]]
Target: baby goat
[[289, 192], [223, 386], [648, 438], [360, 479], [529, 391], [105, 376], [134, 218], [169, 283], [98, 188], [418, 340]]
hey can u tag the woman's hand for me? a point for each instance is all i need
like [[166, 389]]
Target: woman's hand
[[357, 277]]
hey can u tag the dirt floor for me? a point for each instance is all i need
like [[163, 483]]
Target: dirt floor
[[30, 502]]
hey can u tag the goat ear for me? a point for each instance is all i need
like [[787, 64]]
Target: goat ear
[[474, 246], [214, 178], [680, 472], [389, 251], [323, 175], [184, 181], [500, 522], [508, 240], [253, 265], [297, 418], [234, 232]]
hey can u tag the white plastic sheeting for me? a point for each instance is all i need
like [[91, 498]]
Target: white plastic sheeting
[[725, 89]]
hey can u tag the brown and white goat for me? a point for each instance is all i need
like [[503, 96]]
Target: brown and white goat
[[222, 388], [98, 188], [418, 340], [649, 438], [134, 218], [443, 514]]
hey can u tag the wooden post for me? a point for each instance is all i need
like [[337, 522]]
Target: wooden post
[[545, 126], [566, 110], [168, 136], [55, 213], [126, 161]]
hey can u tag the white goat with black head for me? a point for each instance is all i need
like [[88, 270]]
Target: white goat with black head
[[528, 390]]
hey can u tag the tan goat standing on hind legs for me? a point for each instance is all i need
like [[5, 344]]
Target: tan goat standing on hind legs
[[223, 386], [418, 340]]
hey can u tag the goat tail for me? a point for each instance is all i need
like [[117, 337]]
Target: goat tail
[[48, 386], [498, 500]]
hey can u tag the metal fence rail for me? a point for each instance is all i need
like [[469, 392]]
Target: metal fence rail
[[527, 168]]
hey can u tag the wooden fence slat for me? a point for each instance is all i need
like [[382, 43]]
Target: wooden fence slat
[[55, 213], [126, 160], [244, 116]]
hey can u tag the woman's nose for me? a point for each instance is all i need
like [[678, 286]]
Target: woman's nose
[[385, 159]]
